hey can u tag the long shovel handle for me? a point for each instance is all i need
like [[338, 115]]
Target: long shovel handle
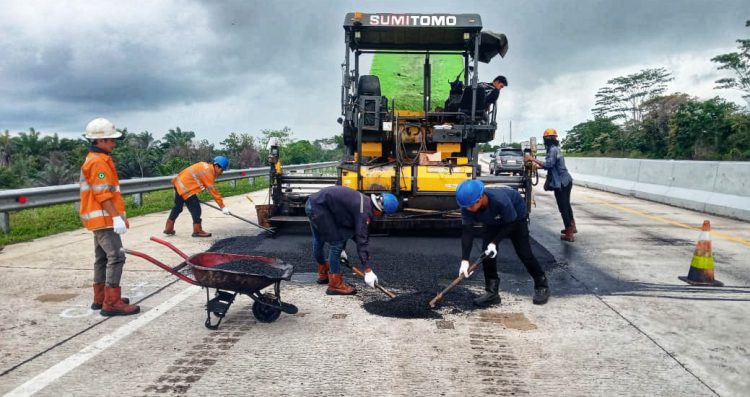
[[457, 281], [359, 273], [240, 218]]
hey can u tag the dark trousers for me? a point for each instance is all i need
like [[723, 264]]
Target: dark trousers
[[562, 196], [518, 233], [193, 204]]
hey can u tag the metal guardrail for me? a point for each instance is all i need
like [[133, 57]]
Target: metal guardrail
[[20, 199]]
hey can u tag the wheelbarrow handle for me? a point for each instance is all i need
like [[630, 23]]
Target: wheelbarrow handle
[[457, 281], [161, 265], [170, 246]]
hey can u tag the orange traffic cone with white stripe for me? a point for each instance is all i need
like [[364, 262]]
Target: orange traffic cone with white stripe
[[702, 266]]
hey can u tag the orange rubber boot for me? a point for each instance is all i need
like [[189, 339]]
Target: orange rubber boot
[[336, 286], [198, 231], [114, 306], [323, 273], [99, 297], [169, 228]]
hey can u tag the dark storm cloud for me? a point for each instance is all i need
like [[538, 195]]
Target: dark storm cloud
[[281, 59]]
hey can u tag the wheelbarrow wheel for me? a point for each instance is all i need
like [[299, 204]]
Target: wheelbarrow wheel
[[264, 313]]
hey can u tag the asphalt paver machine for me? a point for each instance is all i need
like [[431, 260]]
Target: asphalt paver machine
[[419, 156]]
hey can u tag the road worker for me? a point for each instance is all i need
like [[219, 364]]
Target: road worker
[[187, 184], [559, 181], [502, 212], [103, 212], [336, 215]]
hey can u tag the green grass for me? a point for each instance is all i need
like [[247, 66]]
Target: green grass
[[44, 221], [401, 78]]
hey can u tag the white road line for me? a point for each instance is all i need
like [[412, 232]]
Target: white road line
[[55, 372]]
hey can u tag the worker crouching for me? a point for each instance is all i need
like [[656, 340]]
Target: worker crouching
[[502, 213], [103, 212], [336, 215]]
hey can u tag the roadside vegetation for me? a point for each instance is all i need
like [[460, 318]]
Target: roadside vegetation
[[33, 223], [635, 116]]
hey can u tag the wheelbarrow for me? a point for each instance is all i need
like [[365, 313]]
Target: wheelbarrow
[[228, 283]]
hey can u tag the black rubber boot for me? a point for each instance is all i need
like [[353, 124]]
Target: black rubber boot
[[491, 297], [541, 291]]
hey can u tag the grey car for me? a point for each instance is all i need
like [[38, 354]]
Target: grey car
[[507, 160]]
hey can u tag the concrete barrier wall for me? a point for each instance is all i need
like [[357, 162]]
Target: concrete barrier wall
[[717, 187]]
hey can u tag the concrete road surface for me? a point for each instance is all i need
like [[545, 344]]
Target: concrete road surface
[[619, 321]]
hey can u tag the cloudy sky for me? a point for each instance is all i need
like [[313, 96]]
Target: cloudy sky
[[216, 67]]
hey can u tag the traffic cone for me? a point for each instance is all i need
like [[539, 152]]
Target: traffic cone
[[702, 266]]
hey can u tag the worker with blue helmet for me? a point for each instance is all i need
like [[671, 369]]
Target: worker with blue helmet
[[337, 214], [187, 184], [502, 214]]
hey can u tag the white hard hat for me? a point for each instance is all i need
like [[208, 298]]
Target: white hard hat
[[101, 129]]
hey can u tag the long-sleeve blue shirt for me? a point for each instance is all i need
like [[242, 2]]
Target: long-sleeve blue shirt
[[505, 205], [340, 213], [554, 163]]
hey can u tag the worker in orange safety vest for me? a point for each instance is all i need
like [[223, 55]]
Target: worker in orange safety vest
[[187, 184], [103, 212]]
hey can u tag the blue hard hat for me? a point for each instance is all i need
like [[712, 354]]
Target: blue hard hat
[[469, 192], [222, 162], [390, 203], [385, 202]]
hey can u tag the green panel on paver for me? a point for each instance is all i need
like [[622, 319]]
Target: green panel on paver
[[401, 78]]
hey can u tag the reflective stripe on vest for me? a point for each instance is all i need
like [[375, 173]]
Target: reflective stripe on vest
[[98, 188], [94, 214]]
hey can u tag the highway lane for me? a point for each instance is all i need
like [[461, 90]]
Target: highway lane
[[619, 321]]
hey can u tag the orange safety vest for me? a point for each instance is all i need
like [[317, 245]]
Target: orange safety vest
[[196, 178], [99, 183]]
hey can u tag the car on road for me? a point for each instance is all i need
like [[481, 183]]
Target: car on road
[[506, 160]]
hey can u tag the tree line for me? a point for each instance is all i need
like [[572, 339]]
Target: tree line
[[635, 116], [31, 158]]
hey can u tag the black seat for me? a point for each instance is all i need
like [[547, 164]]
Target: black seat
[[368, 85]]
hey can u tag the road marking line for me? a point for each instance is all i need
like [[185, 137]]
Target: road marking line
[[721, 235], [55, 372]]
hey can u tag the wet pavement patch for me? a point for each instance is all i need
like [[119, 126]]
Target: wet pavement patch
[[509, 320], [404, 264], [55, 297], [444, 324]]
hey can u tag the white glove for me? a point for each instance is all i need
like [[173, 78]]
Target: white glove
[[226, 211], [464, 269], [344, 256], [491, 250], [371, 279], [119, 225]]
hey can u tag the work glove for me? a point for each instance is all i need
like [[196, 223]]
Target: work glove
[[464, 269], [226, 211], [118, 225], [491, 250], [370, 279]]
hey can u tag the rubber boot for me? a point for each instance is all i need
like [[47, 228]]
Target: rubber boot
[[114, 306], [572, 226], [198, 231], [567, 235], [169, 228], [491, 297], [541, 291], [99, 297], [336, 286], [323, 273]]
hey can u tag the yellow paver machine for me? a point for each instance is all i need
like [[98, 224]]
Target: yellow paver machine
[[421, 152]]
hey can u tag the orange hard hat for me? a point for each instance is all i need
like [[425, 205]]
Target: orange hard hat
[[550, 132]]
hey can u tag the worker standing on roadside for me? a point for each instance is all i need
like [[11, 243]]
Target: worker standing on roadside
[[187, 184], [336, 215], [502, 212], [103, 212], [558, 180]]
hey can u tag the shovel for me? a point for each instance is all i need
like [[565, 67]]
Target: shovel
[[240, 218], [345, 261], [457, 281]]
